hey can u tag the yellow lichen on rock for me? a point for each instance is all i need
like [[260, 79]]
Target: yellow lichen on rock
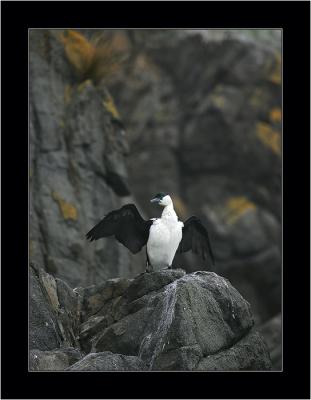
[[275, 74], [83, 85], [79, 51], [219, 101], [236, 207], [275, 115], [98, 58], [269, 137], [258, 99], [68, 210], [67, 94], [110, 106]]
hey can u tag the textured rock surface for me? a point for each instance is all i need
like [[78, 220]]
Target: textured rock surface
[[172, 321], [77, 169], [165, 320], [202, 111], [272, 332], [250, 354], [54, 360], [107, 361], [203, 108], [43, 329], [54, 312]]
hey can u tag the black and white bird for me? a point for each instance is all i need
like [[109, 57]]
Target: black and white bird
[[164, 236]]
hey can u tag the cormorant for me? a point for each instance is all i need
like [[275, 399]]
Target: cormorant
[[164, 236]]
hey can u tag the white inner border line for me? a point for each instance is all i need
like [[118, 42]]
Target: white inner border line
[[159, 29]]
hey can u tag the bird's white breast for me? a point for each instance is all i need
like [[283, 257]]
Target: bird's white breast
[[164, 237]]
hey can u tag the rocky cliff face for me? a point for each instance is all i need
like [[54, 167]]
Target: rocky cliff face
[[203, 109], [165, 320], [77, 169], [201, 119]]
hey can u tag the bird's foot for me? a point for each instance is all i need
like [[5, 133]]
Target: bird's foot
[[149, 268]]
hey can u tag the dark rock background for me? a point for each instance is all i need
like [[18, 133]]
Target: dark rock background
[[193, 113]]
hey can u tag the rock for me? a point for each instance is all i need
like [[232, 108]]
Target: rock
[[271, 330], [77, 164], [214, 143], [54, 316], [96, 296], [146, 283], [250, 354], [43, 332], [210, 133], [107, 361], [53, 360], [247, 250], [172, 321], [227, 110], [163, 320]]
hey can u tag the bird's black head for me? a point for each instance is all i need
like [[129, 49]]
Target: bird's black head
[[161, 199], [160, 195]]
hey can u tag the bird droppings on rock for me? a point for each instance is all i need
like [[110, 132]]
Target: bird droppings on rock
[[164, 320]]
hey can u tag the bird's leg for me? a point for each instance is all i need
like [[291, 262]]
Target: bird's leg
[[149, 268]]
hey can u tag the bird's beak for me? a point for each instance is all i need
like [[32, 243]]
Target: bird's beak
[[155, 200]]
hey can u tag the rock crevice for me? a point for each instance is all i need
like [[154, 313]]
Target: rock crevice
[[164, 320]]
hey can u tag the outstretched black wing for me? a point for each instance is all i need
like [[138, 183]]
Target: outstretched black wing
[[195, 238], [126, 224]]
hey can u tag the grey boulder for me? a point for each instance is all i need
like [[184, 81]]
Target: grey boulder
[[165, 320], [107, 361], [173, 321], [271, 330], [53, 360], [54, 312]]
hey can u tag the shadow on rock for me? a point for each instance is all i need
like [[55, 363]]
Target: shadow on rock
[[164, 320]]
